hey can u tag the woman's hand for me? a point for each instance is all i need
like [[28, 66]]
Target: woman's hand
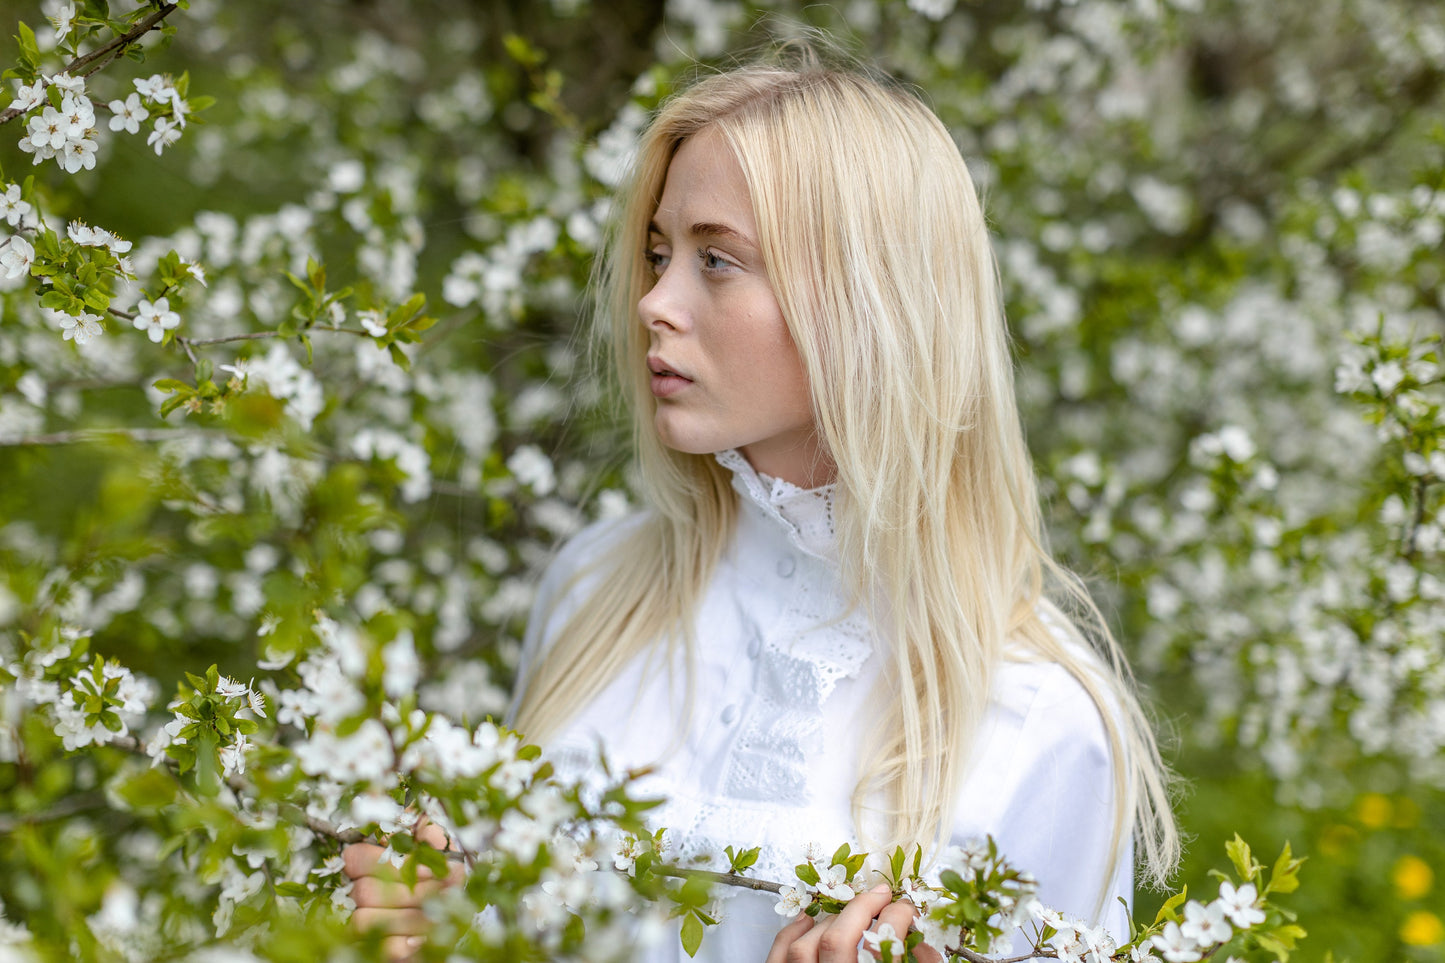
[[834, 939], [384, 902]]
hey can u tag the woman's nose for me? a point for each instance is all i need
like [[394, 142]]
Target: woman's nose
[[663, 305]]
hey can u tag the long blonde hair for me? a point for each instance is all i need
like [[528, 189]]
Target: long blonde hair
[[877, 250]]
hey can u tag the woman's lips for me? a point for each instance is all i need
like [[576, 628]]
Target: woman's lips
[[665, 381], [666, 385]]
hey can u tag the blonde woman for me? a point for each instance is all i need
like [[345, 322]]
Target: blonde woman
[[835, 619]]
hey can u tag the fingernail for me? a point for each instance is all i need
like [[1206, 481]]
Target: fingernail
[[881, 888], [412, 942]]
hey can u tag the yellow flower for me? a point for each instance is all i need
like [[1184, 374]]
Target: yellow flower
[[1422, 928], [1337, 838], [1373, 810], [1412, 877]]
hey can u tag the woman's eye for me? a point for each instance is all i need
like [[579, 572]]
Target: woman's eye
[[711, 261], [655, 259]]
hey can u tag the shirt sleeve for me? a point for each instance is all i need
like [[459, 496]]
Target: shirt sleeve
[[560, 591], [1047, 752]]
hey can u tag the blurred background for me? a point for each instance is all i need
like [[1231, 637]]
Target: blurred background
[[1219, 228]]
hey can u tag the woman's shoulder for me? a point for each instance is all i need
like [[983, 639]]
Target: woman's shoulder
[[1057, 686], [582, 550]]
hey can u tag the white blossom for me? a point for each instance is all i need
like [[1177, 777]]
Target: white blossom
[[402, 669], [27, 98], [1206, 925], [79, 154], [1238, 904], [1175, 945], [82, 327], [12, 208], [165, 133], [532, 468], [874, 939], [932, 9], [16, 257], [229, 688], [63, 21], [155, 88], [833, 883], [791, 900], [233, 756], [128, 114], [156, 318]]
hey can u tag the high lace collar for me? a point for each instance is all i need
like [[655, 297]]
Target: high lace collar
[[806, 514]]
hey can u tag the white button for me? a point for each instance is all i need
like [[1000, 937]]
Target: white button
[[755, 647], [729, 713], [786, 566]]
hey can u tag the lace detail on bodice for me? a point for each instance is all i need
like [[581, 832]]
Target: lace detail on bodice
[[806, 514]]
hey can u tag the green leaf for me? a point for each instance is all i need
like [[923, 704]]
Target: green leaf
[[399, 356], [840, 855], [1241, 857], [433, 859], [691, 934], [694, 892], [1284, 878], [316, 273], [208, 773], [953, 882], [1169, 911], [807, 873], [405, 311]]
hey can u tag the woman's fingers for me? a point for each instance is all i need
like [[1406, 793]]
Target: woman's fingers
[[399, 949], [365, 859], [377, 892], [400, 922], [835, 940], [431, 834], [899, 915], [779, 951]]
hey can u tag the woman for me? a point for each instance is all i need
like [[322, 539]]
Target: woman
[[831, 622]]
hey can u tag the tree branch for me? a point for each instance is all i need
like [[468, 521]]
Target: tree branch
[[87, 435], [66, 807], [262, 335], [111, 50]]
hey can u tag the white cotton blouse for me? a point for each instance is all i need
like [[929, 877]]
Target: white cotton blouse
[[762, 747]]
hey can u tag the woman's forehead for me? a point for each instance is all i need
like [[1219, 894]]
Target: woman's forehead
[[705, 191]]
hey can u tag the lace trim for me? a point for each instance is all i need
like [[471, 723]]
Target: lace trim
[[806, 514]]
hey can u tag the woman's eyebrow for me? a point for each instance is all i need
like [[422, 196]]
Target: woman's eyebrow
[[708, 229]]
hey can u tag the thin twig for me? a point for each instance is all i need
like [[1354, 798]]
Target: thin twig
[[114, 47], [88, 435], [727, 879], [261, 335], [66, 807]]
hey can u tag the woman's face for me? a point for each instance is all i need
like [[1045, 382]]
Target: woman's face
[[725, 372]]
